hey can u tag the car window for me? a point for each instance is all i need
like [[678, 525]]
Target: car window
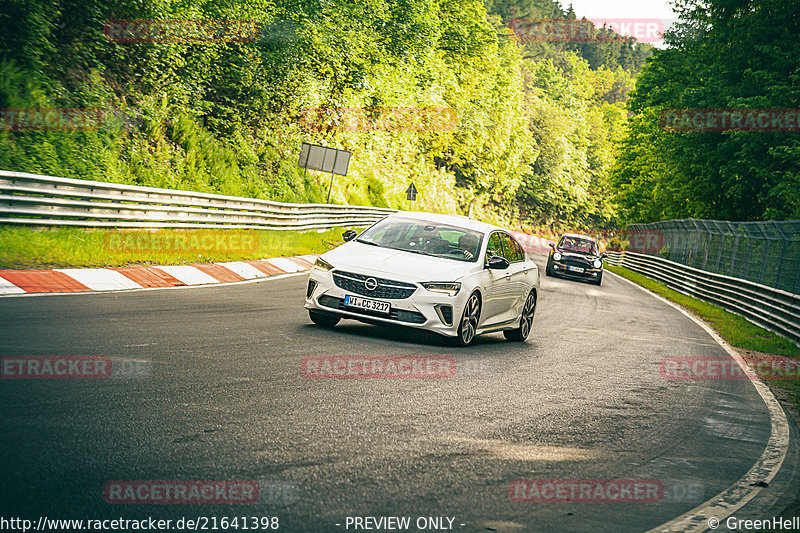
[[495, 246], [578, 245], [511, 250], [424, 237]]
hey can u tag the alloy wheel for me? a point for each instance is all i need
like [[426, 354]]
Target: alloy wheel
[[469, 323]]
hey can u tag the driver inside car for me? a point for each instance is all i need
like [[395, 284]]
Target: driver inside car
[[468, 245]]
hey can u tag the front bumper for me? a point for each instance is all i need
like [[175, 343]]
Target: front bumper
[[589, 273], [424, 309]]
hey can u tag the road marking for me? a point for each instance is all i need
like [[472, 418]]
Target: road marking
[[765, 468]]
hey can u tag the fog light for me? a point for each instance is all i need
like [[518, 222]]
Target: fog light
[[555, 267], [311, 286]]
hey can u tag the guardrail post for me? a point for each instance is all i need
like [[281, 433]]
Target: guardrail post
[[733, 254]]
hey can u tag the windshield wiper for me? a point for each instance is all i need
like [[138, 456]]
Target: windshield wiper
[[369, 242]]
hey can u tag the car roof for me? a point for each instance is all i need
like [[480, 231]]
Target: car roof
[[452, 220], [579, 236]]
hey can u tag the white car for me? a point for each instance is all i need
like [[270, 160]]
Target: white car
[[447, 274]]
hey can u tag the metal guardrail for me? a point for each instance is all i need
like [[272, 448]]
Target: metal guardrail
[[764, 252], [770, 308], [32, 199]]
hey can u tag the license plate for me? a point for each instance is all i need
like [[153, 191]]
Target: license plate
[[366, 303], [575, 269]]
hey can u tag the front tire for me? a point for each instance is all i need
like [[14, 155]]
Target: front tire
[[469, 321], [599, 279], [325, 320], [525, 321], [548, 271]]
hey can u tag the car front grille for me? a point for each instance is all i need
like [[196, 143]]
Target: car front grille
[[385, 288], [400, 315], [576, 262]]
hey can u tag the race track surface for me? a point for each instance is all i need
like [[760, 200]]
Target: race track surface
[[222, 397]]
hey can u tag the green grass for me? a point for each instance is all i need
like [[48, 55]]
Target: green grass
[[37, 248], [733, 328]]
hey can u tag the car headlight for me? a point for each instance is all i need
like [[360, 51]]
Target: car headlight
[[322, 264], [597, 263], [557, 256], [451, 289]]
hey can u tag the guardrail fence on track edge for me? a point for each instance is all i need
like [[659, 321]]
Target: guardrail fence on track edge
[[773, 309], [32, 199], [765, 252]]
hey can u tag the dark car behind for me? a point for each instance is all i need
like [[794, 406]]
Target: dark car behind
[[576, 257]]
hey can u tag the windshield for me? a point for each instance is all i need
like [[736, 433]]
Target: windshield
[[578, 245], [422, 237]]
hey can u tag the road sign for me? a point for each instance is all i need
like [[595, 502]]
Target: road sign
[[322, 158], [411, 193], [325, 159]]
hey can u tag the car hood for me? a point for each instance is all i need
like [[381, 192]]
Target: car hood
[[402, 266]]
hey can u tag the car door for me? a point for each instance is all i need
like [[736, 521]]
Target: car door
[[495, 286], [517, 286]]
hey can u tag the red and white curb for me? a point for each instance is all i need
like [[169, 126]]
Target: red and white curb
[[16, 282]]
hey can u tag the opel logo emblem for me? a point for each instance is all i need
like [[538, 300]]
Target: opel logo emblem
[[371, 284]]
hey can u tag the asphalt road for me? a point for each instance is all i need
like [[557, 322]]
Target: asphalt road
[[221, 397]]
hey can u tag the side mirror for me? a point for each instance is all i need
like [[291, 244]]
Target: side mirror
[[349, 235], [498, 263], [603, 255], [551, 245]]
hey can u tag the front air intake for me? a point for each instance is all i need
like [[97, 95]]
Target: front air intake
[[311, 286]]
